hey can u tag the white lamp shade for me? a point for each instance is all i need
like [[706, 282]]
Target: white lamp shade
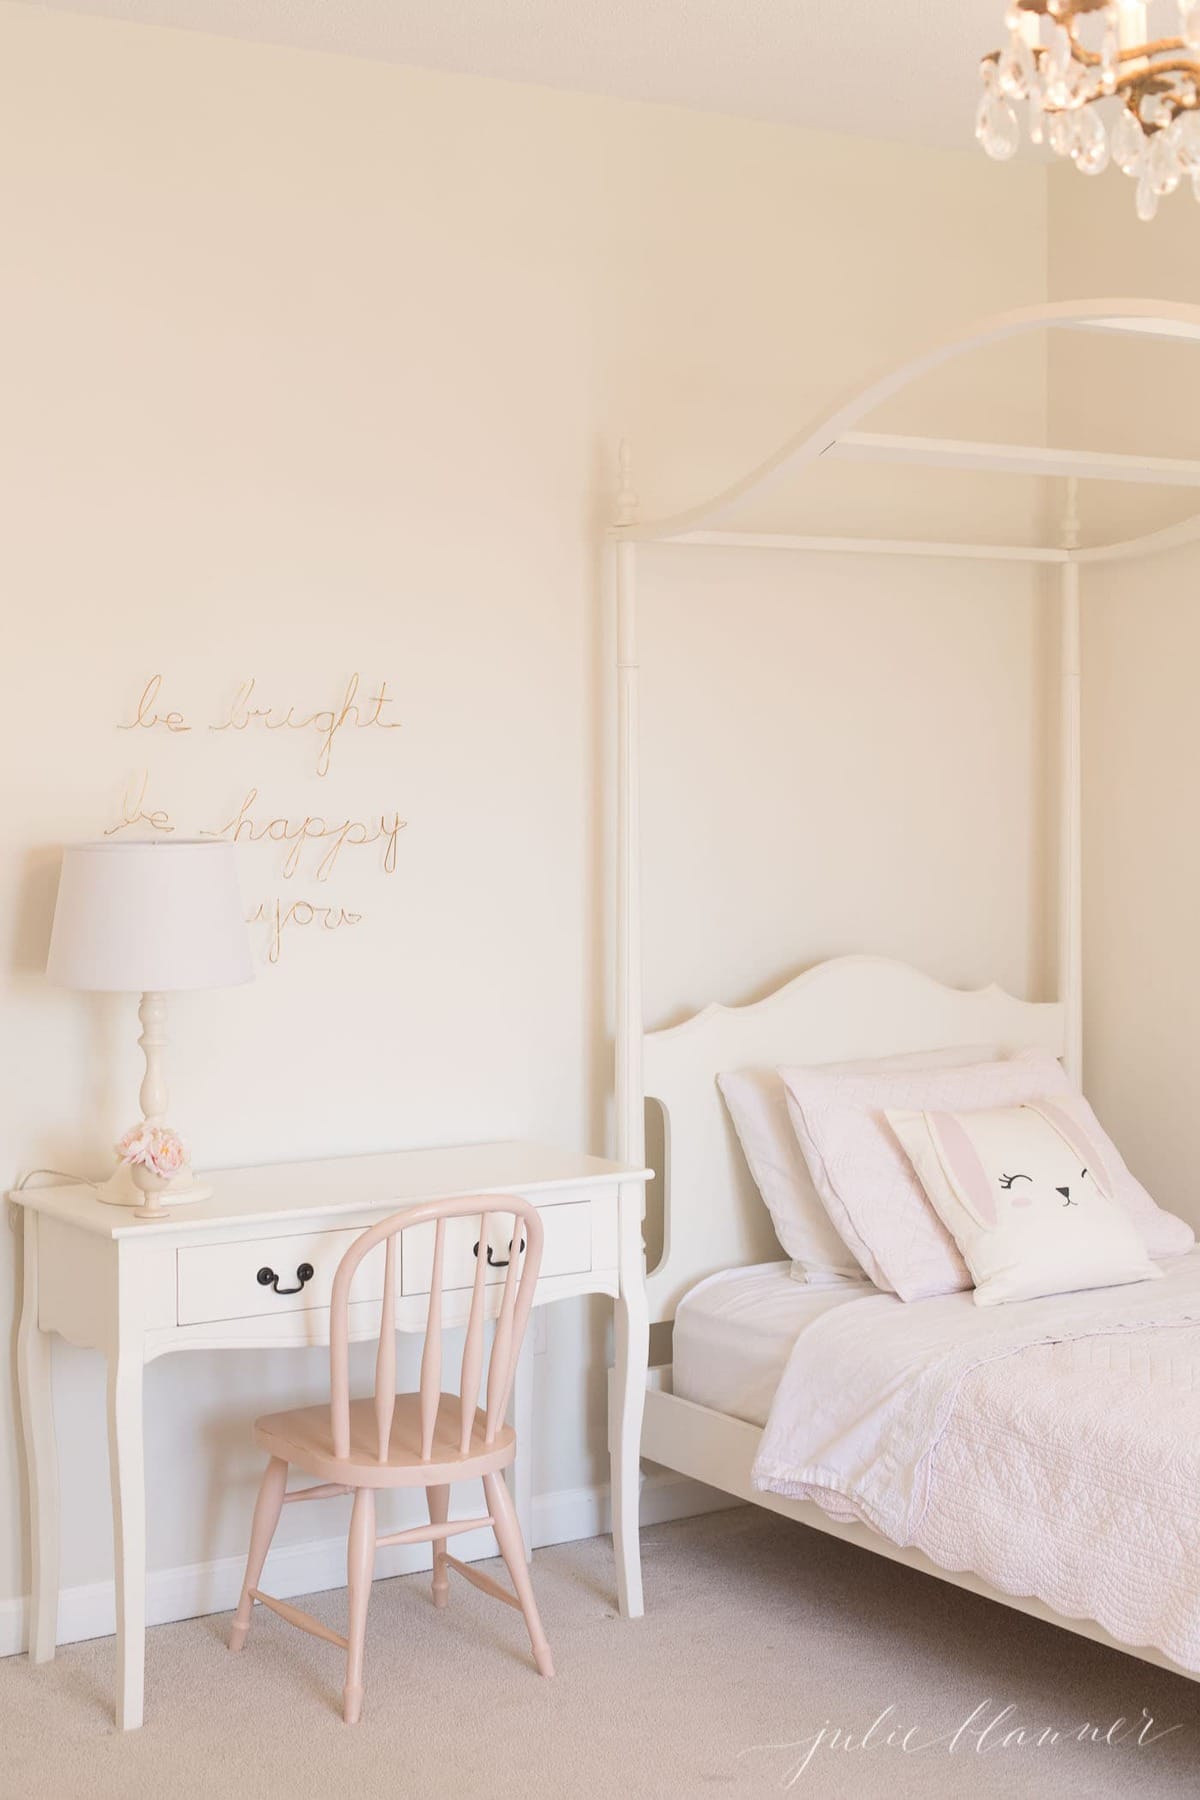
[[149, 918]]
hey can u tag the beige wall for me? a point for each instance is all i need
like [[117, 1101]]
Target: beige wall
[[1141, 648], [311, 365]]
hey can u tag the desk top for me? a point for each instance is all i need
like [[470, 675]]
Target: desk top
[[336, 1184]]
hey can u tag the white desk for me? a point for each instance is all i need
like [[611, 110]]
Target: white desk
[[137, 1290]]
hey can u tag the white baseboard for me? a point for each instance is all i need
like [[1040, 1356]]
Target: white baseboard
[[190, 1592]]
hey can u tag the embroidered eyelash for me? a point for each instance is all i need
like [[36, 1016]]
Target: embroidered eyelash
[[1006, 1181]]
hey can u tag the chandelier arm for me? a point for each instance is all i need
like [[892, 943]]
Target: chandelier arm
[[1091, 59], [1134, 53], [1080, 52], [1128, 87], [1153, 47], [1144, 80]]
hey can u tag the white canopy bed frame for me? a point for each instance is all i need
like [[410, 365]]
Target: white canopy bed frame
[[853, 1007]]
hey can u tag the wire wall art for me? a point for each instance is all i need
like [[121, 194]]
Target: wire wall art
[[311, 843]]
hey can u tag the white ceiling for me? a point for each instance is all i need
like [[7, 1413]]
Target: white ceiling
[[906, 69]]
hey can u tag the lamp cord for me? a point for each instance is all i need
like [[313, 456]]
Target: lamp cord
[[59, 1175]]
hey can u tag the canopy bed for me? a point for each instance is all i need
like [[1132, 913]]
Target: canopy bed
[[741, 1324]]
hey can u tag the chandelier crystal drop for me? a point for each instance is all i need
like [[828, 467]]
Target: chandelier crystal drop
[[1098, 87]]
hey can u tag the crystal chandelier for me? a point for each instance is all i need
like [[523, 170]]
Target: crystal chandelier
[[1068, 58]]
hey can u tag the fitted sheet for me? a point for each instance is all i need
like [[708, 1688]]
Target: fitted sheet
[[734, 1334]]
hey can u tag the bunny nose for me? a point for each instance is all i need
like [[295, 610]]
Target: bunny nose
[[1065, 1192]]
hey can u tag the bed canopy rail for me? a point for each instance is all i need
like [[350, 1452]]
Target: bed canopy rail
[[864, 546], [836, 436], [1012, 459]]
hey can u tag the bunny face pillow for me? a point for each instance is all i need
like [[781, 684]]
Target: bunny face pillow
[[1026, 1195]]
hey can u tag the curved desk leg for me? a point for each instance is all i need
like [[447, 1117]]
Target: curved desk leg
[[127, 1474], [628, 1402], [41, 1456]]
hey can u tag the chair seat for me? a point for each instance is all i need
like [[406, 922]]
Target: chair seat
[[304, 1437]]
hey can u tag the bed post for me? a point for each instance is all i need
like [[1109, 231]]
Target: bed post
[[627, 1394], [1070, 863], [631, 1124]]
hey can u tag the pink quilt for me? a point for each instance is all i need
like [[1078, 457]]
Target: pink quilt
[[1051, 1447]]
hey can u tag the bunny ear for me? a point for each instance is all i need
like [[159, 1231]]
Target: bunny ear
[[1074, 1132], [966, 1173]]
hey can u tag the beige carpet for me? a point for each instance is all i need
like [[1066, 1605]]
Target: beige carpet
[[758, 1634]]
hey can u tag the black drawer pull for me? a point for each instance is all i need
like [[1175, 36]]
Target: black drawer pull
[[268, 1278], [495, 1262]]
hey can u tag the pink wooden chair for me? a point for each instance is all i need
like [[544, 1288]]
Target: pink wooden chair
[[428, 1439]]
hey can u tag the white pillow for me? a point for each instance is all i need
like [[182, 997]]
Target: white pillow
[[758, 1107], [1027, 1196]]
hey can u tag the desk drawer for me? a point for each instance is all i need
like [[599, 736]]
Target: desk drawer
[[567, 1249], [221, 1281]]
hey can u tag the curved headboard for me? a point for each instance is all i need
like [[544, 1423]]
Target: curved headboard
[[852, 1007]]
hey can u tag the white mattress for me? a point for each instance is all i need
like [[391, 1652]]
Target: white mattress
[[735, 1331]]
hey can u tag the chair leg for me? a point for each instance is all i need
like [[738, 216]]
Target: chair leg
[[267, 1509], [439, 1512], [512, 1548], [360, 1572]]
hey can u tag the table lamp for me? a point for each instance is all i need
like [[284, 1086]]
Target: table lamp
[[150, 918]]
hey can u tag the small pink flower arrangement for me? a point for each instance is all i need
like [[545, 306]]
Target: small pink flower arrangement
[[153, 1147]]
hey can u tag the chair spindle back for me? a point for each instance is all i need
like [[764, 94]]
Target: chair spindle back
[[520, 1282]]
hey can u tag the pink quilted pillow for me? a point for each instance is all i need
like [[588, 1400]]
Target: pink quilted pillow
[[871, 1191]]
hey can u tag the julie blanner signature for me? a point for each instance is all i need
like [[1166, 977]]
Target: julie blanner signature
[[988, 1729]]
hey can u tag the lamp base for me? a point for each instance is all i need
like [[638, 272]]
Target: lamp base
[[185, 1188], [119, 1189]]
